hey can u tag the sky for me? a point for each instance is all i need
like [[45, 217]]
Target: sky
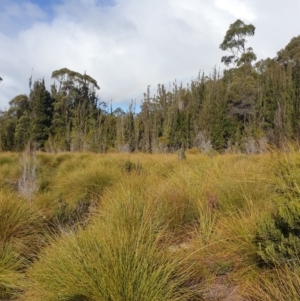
[[126, 45]]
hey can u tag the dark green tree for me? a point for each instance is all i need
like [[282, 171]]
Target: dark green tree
[[7, 130], [220, 125], [41, 113], [22, 132]]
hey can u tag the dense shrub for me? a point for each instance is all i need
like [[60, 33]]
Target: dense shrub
[[278, 234]]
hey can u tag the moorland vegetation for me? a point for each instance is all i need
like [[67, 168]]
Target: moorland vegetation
[[150, 227]]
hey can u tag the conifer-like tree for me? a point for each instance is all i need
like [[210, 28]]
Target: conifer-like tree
[[41, 113]]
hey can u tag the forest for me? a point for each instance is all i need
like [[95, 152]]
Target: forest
[[244, 108]]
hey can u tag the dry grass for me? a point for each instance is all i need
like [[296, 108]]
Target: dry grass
[[22, 234], [143, 227], [122, 255]]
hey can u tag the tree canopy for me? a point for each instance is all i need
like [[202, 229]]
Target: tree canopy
[[235, 42]]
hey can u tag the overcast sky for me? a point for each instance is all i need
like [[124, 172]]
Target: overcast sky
[[127, 45]]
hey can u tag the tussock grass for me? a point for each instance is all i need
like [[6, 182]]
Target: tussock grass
[[21, 236], [88, 182], [75, 189], [236, 180], [147, 227], [281, 284], [9, 169], [122, 255], [21, 225], [12, 281], [107, 268]]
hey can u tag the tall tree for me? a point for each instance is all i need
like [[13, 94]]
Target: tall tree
[[19, 105], [235, 42], [291, 52], [22, 132], [7, 130], [41, 112], [75, 108]]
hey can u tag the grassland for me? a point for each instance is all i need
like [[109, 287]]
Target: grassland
[[150, 227]]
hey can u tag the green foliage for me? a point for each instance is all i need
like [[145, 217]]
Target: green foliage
[[7, 129], [220, 110], [22, 132], [278, 234], [278, 237], [66, 74], [291, 52], [222, 267], [19, 105], [40, 102], [235, 42]]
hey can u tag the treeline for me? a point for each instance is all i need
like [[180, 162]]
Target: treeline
[[244, 108]]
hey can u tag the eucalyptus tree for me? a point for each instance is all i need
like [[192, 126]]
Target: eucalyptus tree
[[235, 42], [242, 80], [291, 52], [19, 105]]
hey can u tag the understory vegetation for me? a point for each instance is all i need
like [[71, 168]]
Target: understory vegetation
[[150, 227]]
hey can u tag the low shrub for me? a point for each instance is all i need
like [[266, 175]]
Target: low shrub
[[176, 207], [278, 235]]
